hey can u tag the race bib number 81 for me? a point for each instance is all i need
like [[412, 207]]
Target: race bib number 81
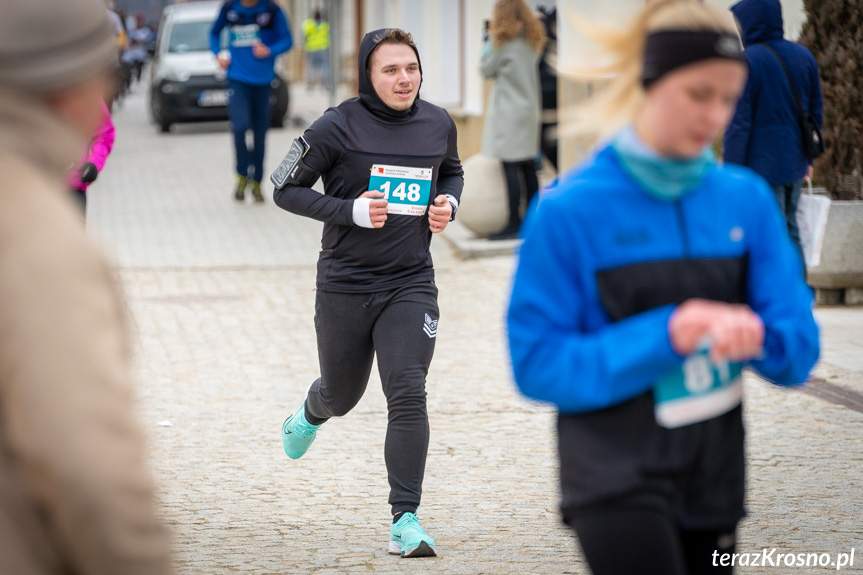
[[406, 190], [698, 391]]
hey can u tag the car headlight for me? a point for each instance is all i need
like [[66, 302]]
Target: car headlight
[[177, 75]]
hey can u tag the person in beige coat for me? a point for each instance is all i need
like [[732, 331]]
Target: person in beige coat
[[75, 495], [512, 122]]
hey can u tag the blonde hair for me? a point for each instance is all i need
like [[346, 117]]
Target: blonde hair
[[512, 17], [619, 100]]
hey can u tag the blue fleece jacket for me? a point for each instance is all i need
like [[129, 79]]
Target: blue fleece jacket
[[604, 264], [264, 22], [764, 134]]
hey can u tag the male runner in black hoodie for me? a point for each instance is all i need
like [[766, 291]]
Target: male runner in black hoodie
[[392, 178]]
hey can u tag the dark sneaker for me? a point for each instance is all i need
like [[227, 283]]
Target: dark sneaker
[[510, 232], [240, 193], [256, 191]]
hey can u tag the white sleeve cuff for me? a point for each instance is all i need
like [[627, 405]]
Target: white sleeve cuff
[[361, 213], [454, 203]]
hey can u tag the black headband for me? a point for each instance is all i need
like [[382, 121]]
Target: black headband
[[668, 50]]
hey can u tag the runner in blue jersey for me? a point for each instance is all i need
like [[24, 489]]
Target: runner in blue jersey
[[258, 32]]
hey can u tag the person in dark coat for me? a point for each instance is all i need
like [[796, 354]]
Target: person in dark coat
[[548, 85], [764, 134]]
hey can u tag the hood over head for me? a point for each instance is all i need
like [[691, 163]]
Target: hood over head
[[760, 20], [368, 96]]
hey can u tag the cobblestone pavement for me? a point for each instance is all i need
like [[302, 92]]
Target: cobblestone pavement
[[221, 303]]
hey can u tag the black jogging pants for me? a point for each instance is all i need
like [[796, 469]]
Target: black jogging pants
[[399, 325]]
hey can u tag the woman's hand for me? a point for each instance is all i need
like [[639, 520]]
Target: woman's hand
[[736, 333]]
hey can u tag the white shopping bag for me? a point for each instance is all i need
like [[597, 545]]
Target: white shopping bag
[[811, 216]]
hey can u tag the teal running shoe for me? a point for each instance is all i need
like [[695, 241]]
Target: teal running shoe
[[409, 539], [298, 434]]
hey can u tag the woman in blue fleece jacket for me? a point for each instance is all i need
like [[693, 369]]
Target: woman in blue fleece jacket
[[648, 279]]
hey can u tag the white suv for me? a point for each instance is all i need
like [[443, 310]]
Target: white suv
[[186, 83]]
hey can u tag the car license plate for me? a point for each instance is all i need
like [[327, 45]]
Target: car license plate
[[210, 98]]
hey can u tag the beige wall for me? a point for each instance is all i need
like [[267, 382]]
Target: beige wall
[[469, 128]]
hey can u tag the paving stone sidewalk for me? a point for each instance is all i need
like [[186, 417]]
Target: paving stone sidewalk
[[221, 303]]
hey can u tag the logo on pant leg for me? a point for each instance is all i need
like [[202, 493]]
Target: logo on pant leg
[[430, 327]]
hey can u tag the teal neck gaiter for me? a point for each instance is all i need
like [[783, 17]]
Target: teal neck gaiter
[[666, 179]]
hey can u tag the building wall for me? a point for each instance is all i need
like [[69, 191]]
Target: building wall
[[574, 51]]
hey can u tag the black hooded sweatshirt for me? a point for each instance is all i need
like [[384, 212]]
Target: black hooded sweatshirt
[[344, 143]]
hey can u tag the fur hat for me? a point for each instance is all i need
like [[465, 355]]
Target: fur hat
[[46, 45]]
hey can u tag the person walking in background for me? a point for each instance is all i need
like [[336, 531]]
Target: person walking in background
[[259, 32], [136, 55], [87, 169], [548, 83], [511, 131], [765, 133], [316, 42], [120, 86], [646, 283], [75, 492]]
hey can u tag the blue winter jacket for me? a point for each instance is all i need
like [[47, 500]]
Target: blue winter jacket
[[765, 134], [264, 22], [603, 266]]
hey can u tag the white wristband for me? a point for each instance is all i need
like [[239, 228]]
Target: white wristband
[[361, 213]]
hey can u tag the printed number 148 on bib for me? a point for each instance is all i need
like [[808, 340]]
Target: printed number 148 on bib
[[406, 189]]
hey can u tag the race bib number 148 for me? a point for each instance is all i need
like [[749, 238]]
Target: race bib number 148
[[406, 190]]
